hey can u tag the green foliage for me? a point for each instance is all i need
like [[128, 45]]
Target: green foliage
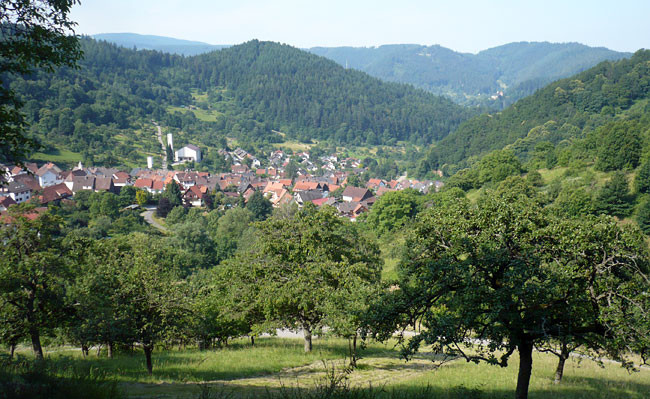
[[643, 216], [506, 272], [176, 215], [34, 35], [614, 197], [259, 206], [543, 157], [173, 194], [104, 109], [128, 196], [298, 264], [535, 178], [498, 165], [524, 67], [493, 168], [393, 210], [566, 109], [32, 275], [61, 379], [642, 180], [141, 197], [618, 146], [574, 202]]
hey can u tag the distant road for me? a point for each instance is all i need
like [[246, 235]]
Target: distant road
[[148, 217], [162, 145]]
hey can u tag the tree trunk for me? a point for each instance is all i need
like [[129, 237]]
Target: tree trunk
[[12, 349], [525, 369], [147, 353], [109, 345], [36, 342], [99, 350], [559, 371], [564, 355], [353, 351], [307, 332], [84, 350], [252, 340]]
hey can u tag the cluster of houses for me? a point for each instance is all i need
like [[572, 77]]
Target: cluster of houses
[[49, 183]]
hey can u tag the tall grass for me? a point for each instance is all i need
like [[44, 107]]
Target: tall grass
[[64, 378]]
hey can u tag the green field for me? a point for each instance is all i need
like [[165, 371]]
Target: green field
[[201, 114], [274, 366], [62, 156]]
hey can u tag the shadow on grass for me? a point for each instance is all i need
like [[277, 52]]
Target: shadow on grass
[[591, 389], [237, 360]]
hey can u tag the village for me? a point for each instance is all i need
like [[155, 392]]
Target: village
[[283, 178]]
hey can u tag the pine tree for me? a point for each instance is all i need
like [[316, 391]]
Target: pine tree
[[614, 198], [642, 180], [643, 216]]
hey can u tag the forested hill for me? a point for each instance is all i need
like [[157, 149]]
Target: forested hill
[[517, 68], [104, 109], [287, 86], [572, 108]]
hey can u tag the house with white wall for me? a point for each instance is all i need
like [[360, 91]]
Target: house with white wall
[[188, 153]]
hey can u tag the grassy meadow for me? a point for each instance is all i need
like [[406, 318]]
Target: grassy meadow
[[277, 367]]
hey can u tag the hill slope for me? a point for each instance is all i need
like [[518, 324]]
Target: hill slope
[[517, 68], [102, 109], [564, 110]]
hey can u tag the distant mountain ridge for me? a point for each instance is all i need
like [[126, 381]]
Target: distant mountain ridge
[[159, 43], [517, 69]]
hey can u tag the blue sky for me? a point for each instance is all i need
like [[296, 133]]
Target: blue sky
[[467, 26]]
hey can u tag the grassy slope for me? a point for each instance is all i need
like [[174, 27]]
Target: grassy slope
[[273, 363]]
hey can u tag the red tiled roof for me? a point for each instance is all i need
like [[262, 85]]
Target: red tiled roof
[[143, 183]]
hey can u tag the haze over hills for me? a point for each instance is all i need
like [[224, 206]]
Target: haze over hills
[[159, 43], [517, 69]]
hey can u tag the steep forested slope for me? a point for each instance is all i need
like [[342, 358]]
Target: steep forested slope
[[309, 93], [564, 110], [101, 108]]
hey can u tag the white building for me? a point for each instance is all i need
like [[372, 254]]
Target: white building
[[49, 175], [17, 191], [188, 153]]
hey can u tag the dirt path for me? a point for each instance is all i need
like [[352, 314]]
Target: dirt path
[[162, 145], [375, 372], [148, 217]]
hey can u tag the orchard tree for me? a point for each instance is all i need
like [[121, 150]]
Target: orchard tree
[[297, 265], [487, 280], [99, 317], [151, 293], [32, 273]]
